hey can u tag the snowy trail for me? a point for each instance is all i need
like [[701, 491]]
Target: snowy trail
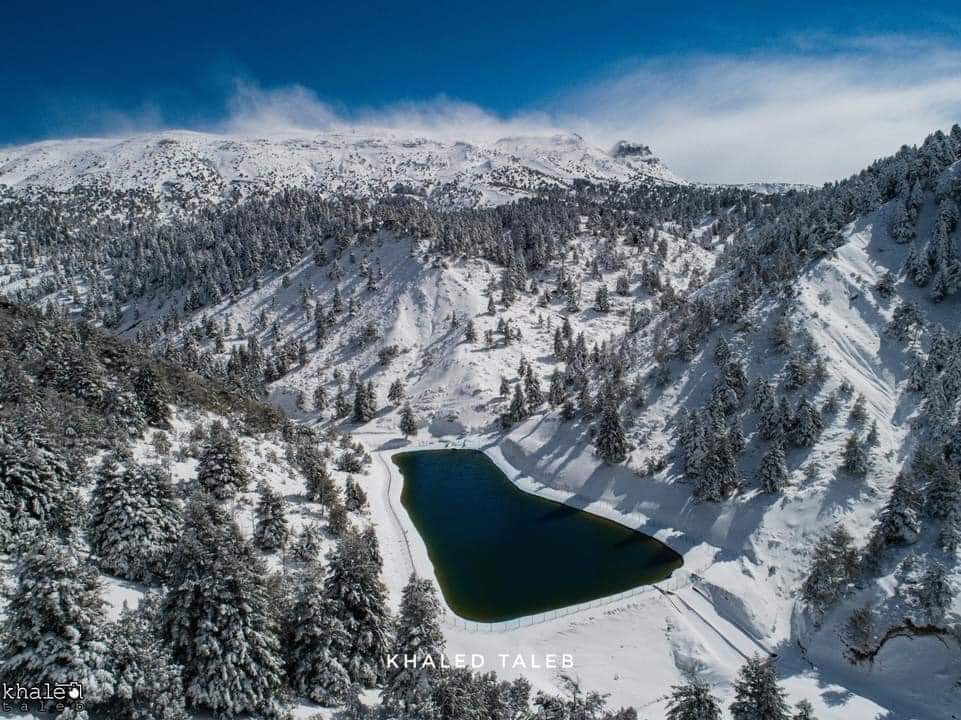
[[723, 638], [393, 513]]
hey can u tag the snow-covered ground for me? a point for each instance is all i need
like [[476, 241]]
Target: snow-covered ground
[[751, 553]]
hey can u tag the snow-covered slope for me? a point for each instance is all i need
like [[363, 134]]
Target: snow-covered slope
[[359, 163], [752, 552]]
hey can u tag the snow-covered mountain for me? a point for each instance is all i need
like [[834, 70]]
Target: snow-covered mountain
[[181, 164]]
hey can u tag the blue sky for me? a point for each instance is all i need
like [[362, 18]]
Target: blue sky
[[603, 69]]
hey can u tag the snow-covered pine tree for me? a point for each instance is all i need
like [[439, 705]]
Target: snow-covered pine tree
[[859, 411], [602, 300], [395, 394], [147, 681], [355, 499], [556, 392], [610, 440], [408, 423], [134, 519], [35, 488], [153, 395], [222, 472], [270, 531], [933, 594], [409, 690], [772, 472], [855, 458], [532, 390], [899, 522], [470, 332], [722, 351], [517, 410], [51, 630], [770, 427], [318, 482], [359, 602], [833, 570], [315, 640], [307, 545], [342, 406], [320, 398], [693, 701], [943, 492], [808, 424], [757, 694], [217, 616]]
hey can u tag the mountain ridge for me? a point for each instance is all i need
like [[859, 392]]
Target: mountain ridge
[[361, 163]]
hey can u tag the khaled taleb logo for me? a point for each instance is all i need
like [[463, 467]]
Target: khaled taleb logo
[[58, 695]]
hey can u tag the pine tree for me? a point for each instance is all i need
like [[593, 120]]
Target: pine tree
[[318, 482], [148, 684], [359, 603], [899, 522], [532, 389], [408, 423], [308, 544], [134, 519], [51, 630], [517, 410], [833, 570], [722, 351], [315, 639], [217, 616], [320, 398], [355, 499], [556, 394], [602, 299], [772, 472], [35, 488], [859, 412], [933, 594], [943, 495], [365, 402], [395, 394], [693, 701], [409, 690], [270, 531], [342, 406], [771, 426], [757, 694], [153, 395], [610, 441], [855, 457], [808, 424], [470, 332], [222, 472], [803, 711]]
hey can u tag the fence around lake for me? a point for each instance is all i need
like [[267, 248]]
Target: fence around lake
[[681, 578]]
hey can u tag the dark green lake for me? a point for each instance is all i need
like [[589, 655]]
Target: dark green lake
[[501, 553]]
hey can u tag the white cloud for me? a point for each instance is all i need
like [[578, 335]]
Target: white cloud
[[797, 116], [254, 110]]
